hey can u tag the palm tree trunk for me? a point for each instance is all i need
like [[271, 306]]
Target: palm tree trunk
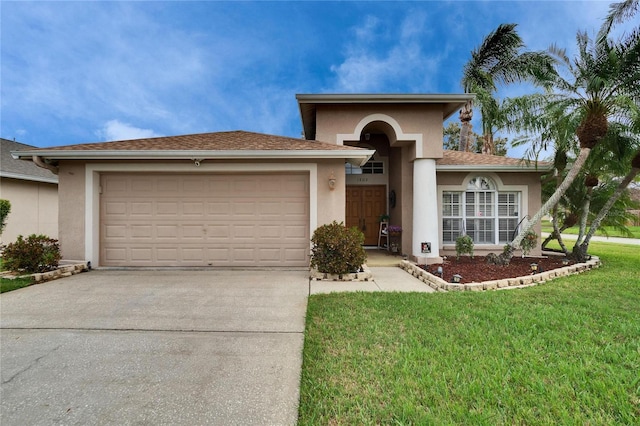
[[552, 201], [585, 214], [466, 115], [487, 144], [581, 251]]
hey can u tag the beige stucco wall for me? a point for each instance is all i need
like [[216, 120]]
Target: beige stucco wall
[[426, 120], [331, 203], [71, 220], [533, 201], [34, 208]]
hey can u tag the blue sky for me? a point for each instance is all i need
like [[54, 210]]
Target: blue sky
[[74, 72]]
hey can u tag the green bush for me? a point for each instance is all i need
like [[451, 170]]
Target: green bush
[[464, 245], [5, 208], [337, 250], [529, 242], [36, 253]]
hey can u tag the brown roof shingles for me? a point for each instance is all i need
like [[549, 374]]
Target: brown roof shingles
[[460, 158], [218, 141]]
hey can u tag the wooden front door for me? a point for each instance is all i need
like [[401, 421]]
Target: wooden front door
[[365, 205]]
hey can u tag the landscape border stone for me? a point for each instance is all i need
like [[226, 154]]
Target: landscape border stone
[[62, 271], [365, 275], [439, 284]]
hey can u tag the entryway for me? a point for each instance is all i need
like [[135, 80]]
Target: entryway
[[365, 205]]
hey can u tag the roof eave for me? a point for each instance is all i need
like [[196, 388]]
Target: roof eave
[[30, 178], [359, 156]]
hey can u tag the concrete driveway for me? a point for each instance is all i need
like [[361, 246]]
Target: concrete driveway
[[154, 347]]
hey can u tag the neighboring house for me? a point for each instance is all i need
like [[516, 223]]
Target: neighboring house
[[33, 193], [248, 199]]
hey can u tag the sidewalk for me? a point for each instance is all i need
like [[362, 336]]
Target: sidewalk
[[615, 240], [387, 276]]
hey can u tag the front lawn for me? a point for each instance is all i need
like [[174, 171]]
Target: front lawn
[[14, 284], [567, 352], [610, 231]]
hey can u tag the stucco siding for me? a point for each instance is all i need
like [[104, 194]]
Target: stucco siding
[[423, 120], [331, 203], [72, 210], [34, 208]]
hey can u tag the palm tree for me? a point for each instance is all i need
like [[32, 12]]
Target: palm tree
[[498, 60], [618, 13], [602, 77]]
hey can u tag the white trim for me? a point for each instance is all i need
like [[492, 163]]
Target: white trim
[[357, 154], [400, 135], [92, 190], [500, 187]]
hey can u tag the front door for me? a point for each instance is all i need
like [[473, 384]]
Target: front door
[[365, 205]]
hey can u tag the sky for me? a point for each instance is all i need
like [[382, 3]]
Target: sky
[[92, 71]]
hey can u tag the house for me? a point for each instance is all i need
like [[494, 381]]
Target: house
[[32, 191], [248, 199]]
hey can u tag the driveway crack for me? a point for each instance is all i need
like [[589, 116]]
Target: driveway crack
[[31, 365]]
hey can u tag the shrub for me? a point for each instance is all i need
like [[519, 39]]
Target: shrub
[[36, 253], [464, 245], [529, 242], [5, 208], [337, 250]]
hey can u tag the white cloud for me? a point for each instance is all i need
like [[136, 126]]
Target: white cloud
[[381, 59], [115, 130]]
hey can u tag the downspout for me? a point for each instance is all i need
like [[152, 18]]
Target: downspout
[[41, 163]]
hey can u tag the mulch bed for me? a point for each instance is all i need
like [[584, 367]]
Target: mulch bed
[[477, 270]]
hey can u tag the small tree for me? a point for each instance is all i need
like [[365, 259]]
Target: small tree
[[5, 209], [337, 250]]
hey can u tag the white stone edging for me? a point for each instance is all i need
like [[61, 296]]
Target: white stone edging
[[366, 275], [61, 272], [439, 284]]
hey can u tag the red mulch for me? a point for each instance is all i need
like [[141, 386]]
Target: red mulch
[[477, 270]]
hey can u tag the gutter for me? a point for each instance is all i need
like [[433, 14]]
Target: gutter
[[43, 164], [359, 157]]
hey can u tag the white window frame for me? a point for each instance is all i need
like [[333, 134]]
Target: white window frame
[[521, 193]]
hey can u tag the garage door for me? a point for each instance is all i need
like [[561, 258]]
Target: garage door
[[204, 220]]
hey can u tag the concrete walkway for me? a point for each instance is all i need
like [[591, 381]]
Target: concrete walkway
[[387, 276]]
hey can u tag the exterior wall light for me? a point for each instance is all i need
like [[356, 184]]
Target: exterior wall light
[[332, 181]]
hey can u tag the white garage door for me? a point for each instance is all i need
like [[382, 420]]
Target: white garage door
[[204, 219]]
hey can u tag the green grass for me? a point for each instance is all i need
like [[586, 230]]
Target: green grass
[[611, 232], [14, 284], [566, 352]]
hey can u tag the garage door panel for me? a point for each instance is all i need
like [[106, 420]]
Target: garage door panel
[[141, 231], [167, 208], [166, 254], [193, 208], [144, 254], [208, 219]]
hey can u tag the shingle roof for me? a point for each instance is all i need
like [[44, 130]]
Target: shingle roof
[[219, 141], [17, 169], [471, 159]]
